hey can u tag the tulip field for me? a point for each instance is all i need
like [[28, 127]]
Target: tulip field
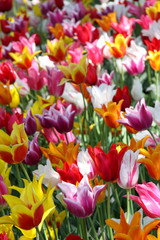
[[79, 119]]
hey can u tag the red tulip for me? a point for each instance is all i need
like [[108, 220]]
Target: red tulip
[[123, 94]]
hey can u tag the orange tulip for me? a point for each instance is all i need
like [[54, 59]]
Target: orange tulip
[[13, 148], [134, 146], [61, 153], [105, 22], [119, 47], [57, 31], [5, 95], [152, 161], [111, 113], [131, 231]]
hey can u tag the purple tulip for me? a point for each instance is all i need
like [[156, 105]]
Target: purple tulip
[[61, 120], [81, 200], [30, 124], [139, 118], [34, 153]]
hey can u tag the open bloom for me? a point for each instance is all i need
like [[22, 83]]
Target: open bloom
[[13, 148], [129, 171], [81, 200], [148, 199], [31, 208], [140, 118], [154, 59], [152, 161], [119, 48], [107, 165], [132, 231]]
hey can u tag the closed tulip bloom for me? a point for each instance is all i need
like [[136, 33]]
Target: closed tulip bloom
[[81, 200], [30, 124], [139, 118], [129, 171], [107, 165], [34, 153], [61, 120], [148, 199]]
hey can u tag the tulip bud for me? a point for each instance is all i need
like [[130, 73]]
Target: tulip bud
[[30, 124]]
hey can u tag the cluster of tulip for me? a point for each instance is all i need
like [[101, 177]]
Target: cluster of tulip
[[79, 119]]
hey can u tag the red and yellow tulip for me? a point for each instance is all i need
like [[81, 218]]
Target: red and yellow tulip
[[13, 148]]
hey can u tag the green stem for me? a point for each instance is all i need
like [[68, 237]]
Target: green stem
[[79, 230], [128, 206], [93, 228], [84, 120], [25, 171], [101, 222], [66, 138], [116, 195], [39, 233], [157, 85], [54, 227], [152, 135], [85, 229], [48, 230], [18, 176], [56, 135], [108, 210], [67, 218]]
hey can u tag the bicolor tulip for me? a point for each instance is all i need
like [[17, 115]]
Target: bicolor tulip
[[119, 48], [148, 199], [132, 231], [129, 171], [23, 60], [139, 118], [154, 59], [57, 50], [30, 209], [81, 200], [75, 73], [13, 148], [6, 232], [107, 165]]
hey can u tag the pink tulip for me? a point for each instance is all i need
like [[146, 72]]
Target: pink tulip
[[139, 118], [81, 200], [135, 66], [129, 171], [148, 199]]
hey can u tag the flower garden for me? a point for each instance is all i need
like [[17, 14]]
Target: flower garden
[[79, 119]]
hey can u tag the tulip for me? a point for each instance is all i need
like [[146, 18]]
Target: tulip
[[129, 171], [70, 173], [6, 232], [156, 112], [30, 209], [107, 165], [86, 164], [61, 120], [154, 59], [23, 60], [135, 66], [34, 153], [7, 73], [5, 95], [119, 48], [81, 200], [5, 5], [132, 231], [30, 124], [50, 177], [73, 237], [140, 118], [111, 113], [3, 190], [13, 148], [76, 73], [123, 94], [61, 153], [54, 77], [148, 199], [105, 22]]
